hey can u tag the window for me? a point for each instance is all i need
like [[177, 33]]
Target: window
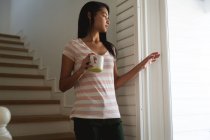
[[189, 43]]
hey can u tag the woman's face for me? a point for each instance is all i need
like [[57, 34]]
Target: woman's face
[[101, 21]]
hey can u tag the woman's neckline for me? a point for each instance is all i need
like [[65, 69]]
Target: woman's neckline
[[90, 48]]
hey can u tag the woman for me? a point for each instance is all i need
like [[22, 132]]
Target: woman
[[95, 112]]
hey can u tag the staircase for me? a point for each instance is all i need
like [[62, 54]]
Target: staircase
[[36, 115]]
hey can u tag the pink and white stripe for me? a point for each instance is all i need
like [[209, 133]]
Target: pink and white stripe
[[95, 92]]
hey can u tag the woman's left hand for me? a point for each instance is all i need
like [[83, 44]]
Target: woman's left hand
[[150, 59]]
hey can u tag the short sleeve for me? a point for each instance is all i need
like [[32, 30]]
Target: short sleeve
[[69, 51]]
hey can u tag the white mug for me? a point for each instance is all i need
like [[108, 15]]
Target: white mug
[[97, 62]]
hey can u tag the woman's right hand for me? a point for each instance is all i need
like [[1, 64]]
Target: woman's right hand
[[86, 63]]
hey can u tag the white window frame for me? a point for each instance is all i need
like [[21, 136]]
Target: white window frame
[[154, 98]]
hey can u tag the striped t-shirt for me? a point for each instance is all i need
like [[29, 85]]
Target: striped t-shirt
[[95, 92]]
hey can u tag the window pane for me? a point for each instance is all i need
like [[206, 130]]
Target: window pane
[[189, 41]]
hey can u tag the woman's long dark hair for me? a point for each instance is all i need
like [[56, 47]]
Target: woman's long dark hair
[[84, 25]]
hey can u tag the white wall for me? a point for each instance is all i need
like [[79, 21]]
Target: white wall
[[5, 16], [49, 25]]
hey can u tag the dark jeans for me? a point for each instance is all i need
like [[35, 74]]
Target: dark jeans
[[98, 129]]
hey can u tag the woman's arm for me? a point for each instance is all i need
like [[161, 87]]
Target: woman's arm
[[121, 80], [67, 80]]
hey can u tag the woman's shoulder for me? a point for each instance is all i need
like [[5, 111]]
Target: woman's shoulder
[[71, 47], [75, 39], [75, 42]]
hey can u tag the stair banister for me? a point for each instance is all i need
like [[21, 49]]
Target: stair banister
[[5, 117]]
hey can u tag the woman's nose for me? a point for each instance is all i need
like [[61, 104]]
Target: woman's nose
[[108, 21]]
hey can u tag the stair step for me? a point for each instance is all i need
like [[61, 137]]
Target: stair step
[[6, 41], [22, 79], [11, 39], [30, 76], [12, 46], [37, 88], [9, 48], [38, 118], [9, 36], [25, 95], [35, 125], [9, 56], [20, 70], [18, 65], [58, 136], [22, 82], [28, 102], [39, 124], [14, 50], [16, 61], [9, 52], [32, 107]]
